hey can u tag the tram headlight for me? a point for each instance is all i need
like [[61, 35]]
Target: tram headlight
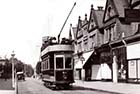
[[64, 75]]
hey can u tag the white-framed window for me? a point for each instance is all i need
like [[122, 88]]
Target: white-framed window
[[59, 61], [85, 44], [92, 41], [109, 34], [113, 33], [63, 62], [68, 63], [80, 46]]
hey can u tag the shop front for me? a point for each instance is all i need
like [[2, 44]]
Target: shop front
[[80, 72], [120, 69], [133, 59], [93, 68], [105, 62]]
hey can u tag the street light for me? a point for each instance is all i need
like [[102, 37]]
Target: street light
[[13, 81]]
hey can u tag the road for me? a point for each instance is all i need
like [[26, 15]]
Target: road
[[35, 86]]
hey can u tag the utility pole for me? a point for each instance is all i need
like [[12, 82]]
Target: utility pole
[[65, 22], [13, 70]]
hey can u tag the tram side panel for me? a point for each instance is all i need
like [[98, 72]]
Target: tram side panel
[[48, 69]]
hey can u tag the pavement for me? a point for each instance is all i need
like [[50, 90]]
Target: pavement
[[118, 88], [6, 86]]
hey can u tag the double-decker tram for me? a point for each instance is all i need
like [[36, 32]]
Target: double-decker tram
[[57, 64]]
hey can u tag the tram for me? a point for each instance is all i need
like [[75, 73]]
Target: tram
[[57, 64]]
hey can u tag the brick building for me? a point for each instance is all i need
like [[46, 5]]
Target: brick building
[[107, 45], [87, 38]]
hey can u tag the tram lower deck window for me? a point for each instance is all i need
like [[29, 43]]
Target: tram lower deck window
[[59, 62], [68, 63]]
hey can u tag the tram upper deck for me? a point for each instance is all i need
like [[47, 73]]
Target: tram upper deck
[[64, 46]]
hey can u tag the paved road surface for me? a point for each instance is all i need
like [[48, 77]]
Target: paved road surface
[[34, 86]]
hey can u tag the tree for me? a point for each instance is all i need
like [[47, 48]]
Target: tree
[[38, 67], [29, 71]]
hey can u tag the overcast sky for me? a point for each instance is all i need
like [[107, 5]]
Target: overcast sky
[[23, 23]]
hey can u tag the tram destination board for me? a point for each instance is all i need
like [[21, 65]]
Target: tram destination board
[[132, 15]]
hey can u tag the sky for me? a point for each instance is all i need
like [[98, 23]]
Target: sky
[[23, 23]]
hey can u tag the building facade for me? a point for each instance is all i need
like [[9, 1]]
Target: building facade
[[107, 45], [88, 37], [121, 35]]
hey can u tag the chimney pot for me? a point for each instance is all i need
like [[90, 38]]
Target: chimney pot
[[100, 7]]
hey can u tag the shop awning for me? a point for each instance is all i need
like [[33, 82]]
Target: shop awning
[[82, 62]]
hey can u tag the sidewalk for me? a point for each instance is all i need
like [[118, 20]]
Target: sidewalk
[[123, 88], [6, 86]]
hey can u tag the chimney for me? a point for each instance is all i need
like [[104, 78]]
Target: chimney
[[100, 7]]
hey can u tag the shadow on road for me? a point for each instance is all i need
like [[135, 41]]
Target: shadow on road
[[77, 88]]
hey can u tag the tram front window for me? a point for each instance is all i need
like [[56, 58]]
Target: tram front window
[[59, 62], [68, 63]]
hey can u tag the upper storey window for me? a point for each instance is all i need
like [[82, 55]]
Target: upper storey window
[[92, 41], [80, 33], [110, 34], [110, 13], [85, 44], [80, 46]]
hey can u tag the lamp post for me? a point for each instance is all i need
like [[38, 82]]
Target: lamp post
[[13, 80]]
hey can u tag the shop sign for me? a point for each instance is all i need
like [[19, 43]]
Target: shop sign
[[82, 59]]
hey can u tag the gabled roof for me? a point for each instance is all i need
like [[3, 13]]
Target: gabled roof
[[116, 8], [99, 17], [134, 3], [96, 17], [120, 6], [81, 24]]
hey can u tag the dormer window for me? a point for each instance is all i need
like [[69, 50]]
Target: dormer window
[[92, 23], [91, 20], [109, 11]]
